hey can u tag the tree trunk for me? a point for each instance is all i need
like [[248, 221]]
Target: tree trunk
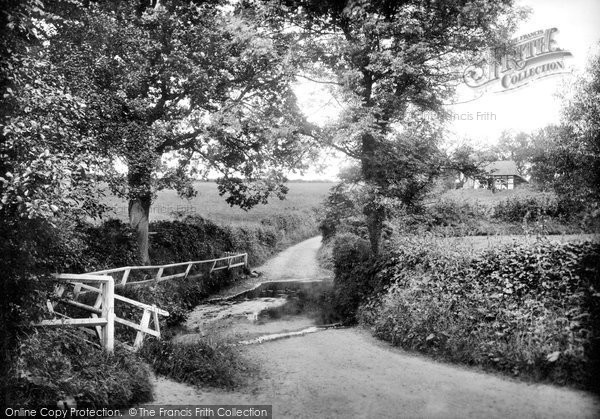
[[375, 214], [139, 212], [375, 219]]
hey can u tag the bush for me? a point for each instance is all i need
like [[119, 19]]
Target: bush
[[111, 244], [446, 212], [31, 251], [529, 207], [352, 281], [57, 365], [529, 310], [204, 362]]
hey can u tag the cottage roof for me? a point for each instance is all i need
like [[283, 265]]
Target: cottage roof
[[502, 168]]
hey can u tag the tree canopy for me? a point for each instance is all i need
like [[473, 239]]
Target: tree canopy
[[173, 91], [389, 63]]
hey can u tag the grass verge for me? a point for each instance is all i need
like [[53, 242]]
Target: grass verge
[[205, 362]]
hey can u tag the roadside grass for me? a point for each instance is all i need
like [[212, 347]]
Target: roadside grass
[[302, 196], [209, 361]]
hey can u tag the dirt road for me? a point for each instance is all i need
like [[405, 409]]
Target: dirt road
[[346, 373]]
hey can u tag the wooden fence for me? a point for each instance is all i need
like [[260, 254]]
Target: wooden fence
[[103, 316], [103, 311], [229, 261]]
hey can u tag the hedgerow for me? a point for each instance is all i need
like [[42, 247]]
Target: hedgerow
[[529, 310], [112, 244], [533, 207]]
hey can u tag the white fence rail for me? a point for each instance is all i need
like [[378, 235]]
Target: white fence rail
[[229, 261], [103, 316]]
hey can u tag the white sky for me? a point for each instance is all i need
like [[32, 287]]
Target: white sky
[[526, 109]]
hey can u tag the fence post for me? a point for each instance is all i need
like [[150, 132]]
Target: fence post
[[159, 275], [125, 277], [108, 313], [187, 270], [145, 324]]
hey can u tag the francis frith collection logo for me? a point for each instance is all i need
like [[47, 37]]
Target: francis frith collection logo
[[530, 57]]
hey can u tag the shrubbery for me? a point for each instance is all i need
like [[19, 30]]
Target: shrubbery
[[350, 255], [529, 310], [31, 250], [519, 213], [57, 365], [532, 208], [113, 243]]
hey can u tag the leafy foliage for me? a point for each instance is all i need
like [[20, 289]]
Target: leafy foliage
[[580, 147], [352, 281], [529, 310], [388, 63], [112, 244], [174, 90], [49, 161], [530, 208], [57, 365], [31, 251]]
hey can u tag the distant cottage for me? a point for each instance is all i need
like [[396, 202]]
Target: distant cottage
[[501, 174]]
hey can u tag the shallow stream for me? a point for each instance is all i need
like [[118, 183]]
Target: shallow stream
[[272, 310]]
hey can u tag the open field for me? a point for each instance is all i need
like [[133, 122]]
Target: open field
[[208, 204]]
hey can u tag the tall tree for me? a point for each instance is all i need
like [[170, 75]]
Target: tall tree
[[580, 146], [178, 89], [516, 147], [389, 58]]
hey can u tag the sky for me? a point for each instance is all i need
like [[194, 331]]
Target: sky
[[527, 108]]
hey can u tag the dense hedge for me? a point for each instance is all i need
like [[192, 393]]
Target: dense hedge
[[352, 268], [528, 310], [531, 208], [112, 244]]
